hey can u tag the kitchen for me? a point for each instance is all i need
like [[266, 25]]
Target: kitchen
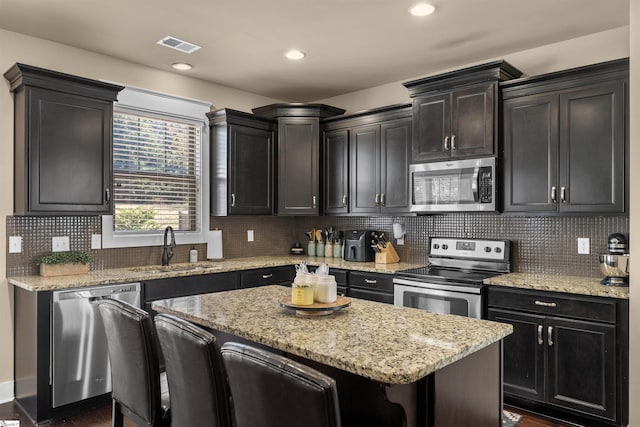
[[277, 233]]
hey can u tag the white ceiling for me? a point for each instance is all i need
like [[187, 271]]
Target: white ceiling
[[350, 44]]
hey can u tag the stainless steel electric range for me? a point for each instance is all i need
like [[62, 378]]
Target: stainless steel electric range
[[452, 281]]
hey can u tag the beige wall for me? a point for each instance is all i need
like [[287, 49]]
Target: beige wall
[[634, 222], [14, 48]]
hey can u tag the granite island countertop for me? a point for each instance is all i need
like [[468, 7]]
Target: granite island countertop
[[142, 273], [385, 343], [558, 283]]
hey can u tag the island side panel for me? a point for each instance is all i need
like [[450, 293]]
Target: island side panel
[[469, 391]]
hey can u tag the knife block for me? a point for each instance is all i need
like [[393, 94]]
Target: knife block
[[387, 255]]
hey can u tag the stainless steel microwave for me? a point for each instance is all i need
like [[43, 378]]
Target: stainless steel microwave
[[467, 185]]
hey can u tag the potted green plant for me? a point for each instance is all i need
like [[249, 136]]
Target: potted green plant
[[64, 263]]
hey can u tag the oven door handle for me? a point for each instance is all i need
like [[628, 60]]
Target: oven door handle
[[475, 183], [422, 287]]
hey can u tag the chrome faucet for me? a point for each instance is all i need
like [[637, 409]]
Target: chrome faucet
[[167, 251]]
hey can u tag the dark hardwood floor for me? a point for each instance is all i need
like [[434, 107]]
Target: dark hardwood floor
[[102, 418]]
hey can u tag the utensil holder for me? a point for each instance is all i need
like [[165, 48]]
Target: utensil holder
[[387, 255]]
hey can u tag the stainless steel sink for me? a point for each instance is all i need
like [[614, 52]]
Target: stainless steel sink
[[208, 266]]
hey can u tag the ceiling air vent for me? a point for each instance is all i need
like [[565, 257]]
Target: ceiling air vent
[[177, 44]]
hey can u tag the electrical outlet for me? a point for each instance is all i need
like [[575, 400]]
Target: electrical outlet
[[60, 244], [15, 244], [96, 241], [583, 245], [249, 235]]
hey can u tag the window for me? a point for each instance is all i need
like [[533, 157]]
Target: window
[[156, 173], [159, 178]]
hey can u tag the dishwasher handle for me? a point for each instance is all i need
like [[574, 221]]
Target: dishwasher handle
[[95, 294]]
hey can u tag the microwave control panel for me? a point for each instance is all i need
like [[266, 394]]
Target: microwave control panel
[[485, 184]]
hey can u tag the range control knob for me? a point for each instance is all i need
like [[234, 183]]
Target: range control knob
[[436, 246], [487, 249], [445, 247], [498, 250]]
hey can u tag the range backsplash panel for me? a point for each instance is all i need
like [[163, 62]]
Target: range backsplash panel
[[541, 244]]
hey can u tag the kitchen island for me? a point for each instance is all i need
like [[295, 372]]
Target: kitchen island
[[441, 370]]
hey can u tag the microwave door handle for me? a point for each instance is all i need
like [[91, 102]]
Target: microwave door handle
[[475, 183]]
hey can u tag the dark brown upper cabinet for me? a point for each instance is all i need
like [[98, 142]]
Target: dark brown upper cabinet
[[455, 115], [298, 155], [242, 159], [62, 142], [565, 137], [366, 161]]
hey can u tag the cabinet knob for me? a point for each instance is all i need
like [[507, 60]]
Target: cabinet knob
[[446, 143], [563, 194], [554, 197], [453, 143], [107, 195], [313, 202], [550, 336], [344, 200], [233, 200]]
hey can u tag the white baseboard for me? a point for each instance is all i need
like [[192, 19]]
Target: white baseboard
[[6, 392]]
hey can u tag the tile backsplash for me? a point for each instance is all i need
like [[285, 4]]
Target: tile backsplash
[[541, 244]]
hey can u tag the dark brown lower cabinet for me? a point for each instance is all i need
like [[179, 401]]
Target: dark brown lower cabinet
[[371, 286], [566, 356]]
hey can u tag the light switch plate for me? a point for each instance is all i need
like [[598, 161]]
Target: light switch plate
[[583, 245], [15, 244], [96, 241], [60, 243], [249, 235]]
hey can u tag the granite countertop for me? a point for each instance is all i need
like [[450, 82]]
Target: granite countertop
[[137, 274], [557, 283], [385, 343]]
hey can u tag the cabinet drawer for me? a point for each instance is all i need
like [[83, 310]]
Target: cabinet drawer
[[267, 276], [190, 285], [382, 282], [371, 295], [552, 303]]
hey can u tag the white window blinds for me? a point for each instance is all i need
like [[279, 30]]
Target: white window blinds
[[156, 173]]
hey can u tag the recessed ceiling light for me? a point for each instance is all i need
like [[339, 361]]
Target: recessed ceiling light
[[182, 66], [295, 54], [422, 9]]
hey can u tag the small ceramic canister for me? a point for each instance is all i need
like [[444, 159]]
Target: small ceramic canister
[[337, 250], [320, 249], [328, 250], [311, 248]]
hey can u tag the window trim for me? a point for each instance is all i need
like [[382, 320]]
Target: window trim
[[143, 101]]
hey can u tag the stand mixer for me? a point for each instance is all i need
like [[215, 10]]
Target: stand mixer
[[615, 264]]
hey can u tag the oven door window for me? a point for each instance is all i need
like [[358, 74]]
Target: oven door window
[[444, 187], [437, 304]]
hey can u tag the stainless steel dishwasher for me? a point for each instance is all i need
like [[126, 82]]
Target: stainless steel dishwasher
[[80, 366]]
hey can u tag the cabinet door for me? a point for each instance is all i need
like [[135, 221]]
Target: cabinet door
[[592, 132], [394, 171], [250, 171], [473, 118], [365, 169], [298, 166], [531, 154], [336, 169], [431, 125], [70, 153], [524, 352], [582, 366]]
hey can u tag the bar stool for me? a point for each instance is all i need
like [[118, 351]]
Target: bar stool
[[197, 382], [140, 391], [269, 390]]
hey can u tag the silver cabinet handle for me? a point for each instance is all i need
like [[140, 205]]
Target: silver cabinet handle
[[344, 200], [267, 276], [233, 200], [107, 194], [313, 202], [540, 340], [446, 143], [550, 336], [563, 194], [554, 197], [371, 281], [377, 199], [453, 143], [545, 304], [383, 199]]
